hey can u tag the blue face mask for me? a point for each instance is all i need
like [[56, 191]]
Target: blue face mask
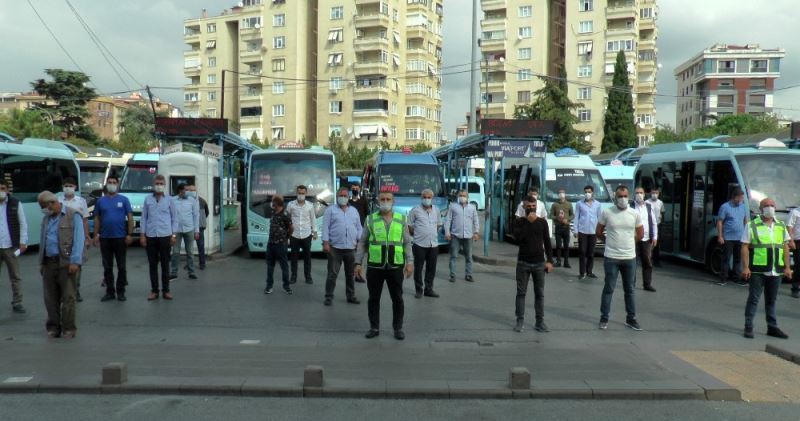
[[191, 194]]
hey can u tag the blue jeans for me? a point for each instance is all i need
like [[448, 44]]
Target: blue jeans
[[277, 253], [770, 285], [613, 267], [466, 244], [188, 241]]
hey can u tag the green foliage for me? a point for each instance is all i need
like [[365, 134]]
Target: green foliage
[[665, 134], [619, 126], [70, 92], [730, 125], [27, 123], [136, 129], [553, 103]]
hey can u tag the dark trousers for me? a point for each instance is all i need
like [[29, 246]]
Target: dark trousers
[[394, 283], [796, 273], [733, 249], [427, 257], [114, 249], [644, 252], [59, 296], [335, 259], [562, 242], [525, 271], [297, 244], [586, 245], [657, 251], [158, 252], [277, 253], [769, 285], [201, 248]]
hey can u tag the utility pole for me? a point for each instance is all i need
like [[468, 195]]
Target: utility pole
[[222, 96], [153, 108], [486, 87], [473, 123]]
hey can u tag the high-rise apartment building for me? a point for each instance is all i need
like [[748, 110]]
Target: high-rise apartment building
[[726, 80], [358, 70], [523, 39]]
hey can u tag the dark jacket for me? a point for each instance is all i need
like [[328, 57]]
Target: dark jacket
[[533, 239], [12, 219]]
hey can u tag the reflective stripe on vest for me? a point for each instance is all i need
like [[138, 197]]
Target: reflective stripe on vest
[[386, 248], [766, 246]]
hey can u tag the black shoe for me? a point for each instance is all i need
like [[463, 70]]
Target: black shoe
[[288, 291], [328, 302], [557, 264], [78, 297], [309, 281], [372, 333], [650, 288], [353, 300], [748, 333], [452, 278], [192, 276], [566, 265], [519, 326], [418, 294], [121, 297], [633, 324], [108, 297], [18, 308], [267, 291], [469, 278], [399, 335], [173, 276], [541, 327], [293, 281], [432, 294], [592, 275], [776, 333], [795, 294], [202, 267]]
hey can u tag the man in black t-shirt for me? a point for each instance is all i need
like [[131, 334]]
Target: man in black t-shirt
[[280, 228], [535, 257]]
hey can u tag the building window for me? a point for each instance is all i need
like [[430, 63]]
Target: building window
[[279, 20], [523, 97], [335, 130], [584, 71], [610, 68], [646, 119], [393, 132], [211, 113], [586, 27], [524, 53], [584, 93], [278, 42], [254, 22], [727, 66], [257, 2], [525, 32], [757, 101], [758, 84], [337, 12], [335, 59], [525, 11], [586, 5], [585, 115], [624, 45], [212, 79], [646, 13], [253, 91], [211, 28], [384, 7], [524, 74], [395, 15], [278, 133], [191, 97], [336, 83], [278, 65], [251, 112], [278, 87], [278, 110], [759, 66], [335, 107], [212, 62], [585, 48], [336, 35], [212, 95]]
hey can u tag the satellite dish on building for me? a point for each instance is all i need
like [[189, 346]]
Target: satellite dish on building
[[257, 26], [240, 4]]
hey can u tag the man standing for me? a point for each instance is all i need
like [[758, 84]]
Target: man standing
[[644, 247], [188, 211], [113, 225], [461, 227], [341, 230], [794, 229], [386, 242], [280, 228], [622, 228], [159, 223], [587, 213], [78, 204], [764, 266], [358, 201], [304, 223], [561, 213], [533, 237], [731, 221], [658, 208], [13, 242], [60, 257], [423, 223], [541, 210], [191, 190]]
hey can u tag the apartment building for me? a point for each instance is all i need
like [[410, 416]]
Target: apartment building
[[358, 70], [522, 39], [726, 80]]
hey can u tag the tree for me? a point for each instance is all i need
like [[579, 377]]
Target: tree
[[665, 134], [619, 125], [136, 128], [553, 103], [729, 125], [69, 92], [27, 123]]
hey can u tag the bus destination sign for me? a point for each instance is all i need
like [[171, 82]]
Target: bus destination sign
[[517, 128]]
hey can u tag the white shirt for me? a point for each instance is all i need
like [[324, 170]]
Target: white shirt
[[77, 203], [658, 208], [642, 209], [746, 240], [794, 223], [5, 234], [304, 220], [541, 212], [620, 232]]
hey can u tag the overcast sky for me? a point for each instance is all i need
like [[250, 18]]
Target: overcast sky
[[146, 36]]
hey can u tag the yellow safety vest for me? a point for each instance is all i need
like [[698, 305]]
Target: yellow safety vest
[[386, 248], [766, 246]]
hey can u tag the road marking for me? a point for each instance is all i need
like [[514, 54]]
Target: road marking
[[17, 379], [249, 342], [761, 377]]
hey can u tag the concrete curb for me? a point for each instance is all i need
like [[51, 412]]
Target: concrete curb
[[780, 352], [495, 261]]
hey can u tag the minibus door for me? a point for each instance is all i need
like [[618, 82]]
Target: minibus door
[[697, 230]]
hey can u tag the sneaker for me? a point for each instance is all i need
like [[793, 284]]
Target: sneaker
[[68, 334], [541, 327], [108, 297], [353, 300], [633, 324], [372, 333], [328, 302], [52, 334], [566, 265], [18, 308], [173, 276], [603, 325], [795, 294], [399, 335], [431, 294], [152, 296], [309, 281], [722, 282], [776, 333], [592, 275], [202, 267], [293, 281], [649, 288], [418, 294], [452, 278], [581, 277], [288, 291], [167, 295], [519, 326], [192, 276], [557, 264], [748, 333], [121, 297], [267, 290], [469, 278]]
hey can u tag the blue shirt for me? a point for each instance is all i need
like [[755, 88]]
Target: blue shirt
[[586, 216], [461, 221], [113, 213], [78, 236], [732, 218], [159, 217], [188, 210], [341, 227]]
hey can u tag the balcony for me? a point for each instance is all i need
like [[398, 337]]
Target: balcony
[[417, 53], [622, 11], [417, 7], [493, 5], [378, 20], [647, 43], [192, 71], [375, 67], [620, 32], [367, 2], [494, 86], [646, 87], [493, 44], [251, 78], [494, 107], [250, 34], [251, 56], [370, 44], [493, 25], [370, 92], [250, 100], [416, 31], [191, 34], [646, 66], [647, 24], [251, 120], [370, 113]]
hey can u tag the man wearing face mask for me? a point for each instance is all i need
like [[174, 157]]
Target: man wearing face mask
[[622, 228], [113, 225], [13, 241], [280, 229], [562, 215], [535, 257], [644, 247], [358, 201], [541, 210], [202, 207], [387, 243], [423, 223], [341, 229], [188, 210], [765, 259], [304, 221], [158, 224], [587, 213], [731, 222], [461, 226], [78, 204], [658, 207]]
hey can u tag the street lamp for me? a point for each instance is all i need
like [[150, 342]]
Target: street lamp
[[50, 119]]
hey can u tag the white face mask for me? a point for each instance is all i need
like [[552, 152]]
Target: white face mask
[[654, 196], [768, 212], [639, 197], [462, 200], [622, 202], [69, 191], [588, 196], [427, 202], [46, 211], [112, 188], [3, 195], [159, 188], [301, 198], [386, 206], [341, 201]]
